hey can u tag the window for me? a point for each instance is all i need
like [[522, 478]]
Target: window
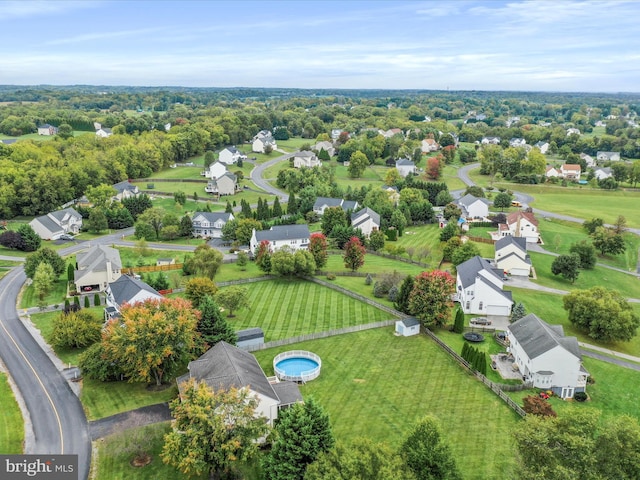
[[468, 304], [480, 306]]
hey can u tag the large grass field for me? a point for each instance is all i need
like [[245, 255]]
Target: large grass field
[[11, 427], [377, 385]]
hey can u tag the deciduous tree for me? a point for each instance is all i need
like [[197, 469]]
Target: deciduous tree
[[318, 248], [205, 261], [244, 230], [567, 265], [502, 201], [586, 252], [233, 298], [331, 218], [76, 329], [354, 253], [30, 239], [430, 298], [198, 288], [44, 254], [263, 256], [358, 162], [43, 280]]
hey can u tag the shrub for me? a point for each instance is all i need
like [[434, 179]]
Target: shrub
[[378, 290], [580, 396], [331, 276], [368, 280], [538, 406], [393, 293], [96, 300], [87, 303]]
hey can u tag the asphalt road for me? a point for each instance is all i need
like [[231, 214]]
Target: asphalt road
[[257, 172], [59, 425]]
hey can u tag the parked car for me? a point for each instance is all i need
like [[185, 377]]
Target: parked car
[[66, 237], [480, 321], [87, 289]]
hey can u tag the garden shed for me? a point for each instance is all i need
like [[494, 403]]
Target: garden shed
[[407, 327], [250, 338]]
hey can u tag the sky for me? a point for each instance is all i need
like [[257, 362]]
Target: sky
[[533, 45]]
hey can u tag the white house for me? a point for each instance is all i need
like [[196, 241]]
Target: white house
[[405, 167], [125, 190], [293, 236], [327, 146], [608, 156], [322, 203], [335, 133], [546, 357], [542, 146], [262, 140], [224, 366], [511, 256], [215, 170], [517, 142], [603, 172], [552, 172], [407, 327], [47, 129], [55, 224], [226, 184], [103, 132], [588, 159], [479, 288], [96, 268], [129, 290], [231, 155], [490, 140], [519, 224], [570, 171], [306, 159], [366, 220], [429, 145], [209, 224], [573, 131], [474, 207]]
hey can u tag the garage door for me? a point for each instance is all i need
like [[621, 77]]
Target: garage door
[[498, 310]]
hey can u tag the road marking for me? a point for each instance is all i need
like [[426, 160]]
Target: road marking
[[55, 411]]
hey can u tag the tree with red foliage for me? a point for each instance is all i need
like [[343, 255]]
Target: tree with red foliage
[[449, 153], [318, 248], [434, 167], [354, 253], [343, 138], [430, 298], [538, 406], [263, 256]]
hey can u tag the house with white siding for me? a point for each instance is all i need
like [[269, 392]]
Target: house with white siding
[[293, 236], [209, 224], [511, 256], [306, 159], [226, 184], [96, 268], [479, 288], [608, 156], [405, 167], [474, 207], [547, 358], [367, 220], [262, 140], [542, 146], [55, 224], [230, 156], [124, 190], [215, 170], [519, 224]]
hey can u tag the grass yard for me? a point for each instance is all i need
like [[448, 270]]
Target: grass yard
[[373, 264], [423, 236], [381, 392], [11, 425], [373, 175], [289, 308], [294, 143], [149, 256], [450, 177], [55, 297]]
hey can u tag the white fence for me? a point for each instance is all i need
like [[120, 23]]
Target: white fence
[[305, 376]]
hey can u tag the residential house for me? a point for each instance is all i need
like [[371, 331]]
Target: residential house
[[511, 121], [405, 167], [429, 145], [473, 207], [573, 131], [511, 256], [103, 132], [215, 170], [96, 268], [547, 358], [366, 220], [306, 158], [9, 141], [600, 123], [292, 236], [224, 366], [209, 224], [227, 184], [481, 117], [517, 142], [570, 171], [601, 173], [335, 133], [588, 159], [326, 146], [519, 224], [542, 123], [407, 327], [490, 141], [608, 156], [47, 130], [231, 155], [392, 192], [52, 225], [322, 203], [125, 190], [552, 172], [390, 133], [263, 140], [129, 290], [542, 146], [479, 288]]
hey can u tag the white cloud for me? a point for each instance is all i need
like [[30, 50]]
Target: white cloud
[[18, 9]]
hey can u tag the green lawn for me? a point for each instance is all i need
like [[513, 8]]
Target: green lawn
[[374, 175], [289, 308], [294, 143], [423, 236], [377, 385], [450, 177], [11, 425], [55, 297], [135, 256]]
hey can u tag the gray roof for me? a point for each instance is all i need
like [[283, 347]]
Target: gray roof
[[283, 232], [361, 217], [329, 202], [124, 186], [232, 149], [126, 287], [213, 217], [304, 154], [469, 199], [224, 366], [47, 222], [250, 334], [537, 337], [410, 322], [288, 392], [405, 162], [95, 260], [526, 258], [520, 242], [469, 270], [60, 214], [541, 143]]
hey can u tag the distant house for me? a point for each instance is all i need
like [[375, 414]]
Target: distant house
[[47, 129], [103, 132], [392, 192], [573, 131], [570, 171], [215, 170], [511, 120], [335, 133], [390, 133], [519, 224], [490, 140], [429, 145], [602, 173], [227, 184], [209, 224], [293, 236], [588, 159], [326, 146], [542, 146], [367, 220], [322, 203], [407, 327], [608, 156], [124, 190], [9, 141], [552, 172], [546, 357], [231, 155], [129, 290], [262, 140], [474, 207], [511, 256], [517, 142], [96, 268], [224, 366], [479, 288], [405, 167], [55, 224], [306, 158]]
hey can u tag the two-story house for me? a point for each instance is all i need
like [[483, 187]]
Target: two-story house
[[96, 268], [230, 156], [474, 207], [511, 256], [367, 220], [262, 140], [479, 288], [519, 224], [209, 224], [305, 158], [55, 224], [322, 203], [226, 184], [292, 236], [215, 170]]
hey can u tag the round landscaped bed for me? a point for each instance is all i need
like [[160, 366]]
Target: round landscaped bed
[[473, 337]]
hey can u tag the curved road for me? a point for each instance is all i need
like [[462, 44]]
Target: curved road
[[256, 177]]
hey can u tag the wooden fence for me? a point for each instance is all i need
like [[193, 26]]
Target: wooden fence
[[155, 268], [481, 239]]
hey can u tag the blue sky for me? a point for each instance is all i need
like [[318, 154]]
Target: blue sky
[[461, 45]]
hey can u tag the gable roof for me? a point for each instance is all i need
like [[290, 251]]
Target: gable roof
[[283, 232], [541, 143], [224, 366], [49, 223], [97, 254], [469, 200], [537, 337], [469, 270], [126, 287], [525, 258], [213, 217], [329, 202], [362, 216], [570, 166], [125, 186], [288, 392], [515, 216], [519, 242], [405, 162]]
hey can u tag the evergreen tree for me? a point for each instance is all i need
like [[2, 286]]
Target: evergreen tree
[[245, 209], [212, 325], [292, 205], [76, 301], [87, 303], [228, 208], [458, 325], [186, 226], [96, 300], [259, 210], [402, 300], [518, 312], [277, 209]]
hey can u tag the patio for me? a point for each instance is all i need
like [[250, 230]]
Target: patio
[[504, 364]]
